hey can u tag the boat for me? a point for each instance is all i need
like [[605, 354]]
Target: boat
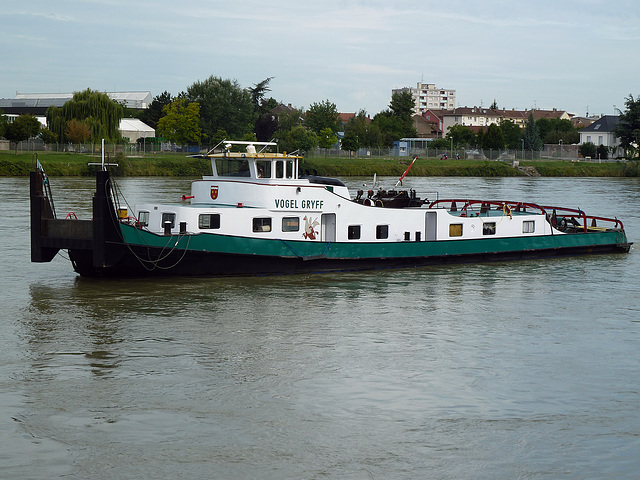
[[257, 215]]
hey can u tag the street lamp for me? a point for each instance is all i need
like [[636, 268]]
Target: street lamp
[[560, 143]]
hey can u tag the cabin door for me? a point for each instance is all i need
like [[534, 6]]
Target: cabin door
[[431, 227], [328, 226]]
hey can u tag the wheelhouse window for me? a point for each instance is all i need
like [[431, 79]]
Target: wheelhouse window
[[232, 167], [353, 232], [290, 224], [263, 168], [168, 217], [262, 224], [489, 228], [455, 230], [143, 219], [528, 226], [208, 221], [382, 232]]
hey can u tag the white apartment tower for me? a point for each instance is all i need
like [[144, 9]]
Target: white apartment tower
[[428, 96]]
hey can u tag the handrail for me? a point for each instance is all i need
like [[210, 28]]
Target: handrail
[[517, 206]]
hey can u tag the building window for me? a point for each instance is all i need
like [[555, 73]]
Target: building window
[[489, 228], [455, 230], [382, 232], [290, 224], [528, 226], [208, 221], [354, 232], [143, 219], [168, 217], [262, 224]]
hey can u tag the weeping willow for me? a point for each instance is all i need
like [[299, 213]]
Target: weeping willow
[[96, 109]]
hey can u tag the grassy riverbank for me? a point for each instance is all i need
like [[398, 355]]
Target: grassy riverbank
[[178, 165]]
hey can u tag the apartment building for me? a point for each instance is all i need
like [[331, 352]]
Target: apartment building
[[429, 97]]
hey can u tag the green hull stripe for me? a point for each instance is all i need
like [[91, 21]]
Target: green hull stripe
[[214, 243]]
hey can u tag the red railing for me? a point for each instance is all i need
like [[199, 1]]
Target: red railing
[[509, 206]]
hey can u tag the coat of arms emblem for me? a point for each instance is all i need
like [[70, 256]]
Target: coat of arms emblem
[[214, 192]]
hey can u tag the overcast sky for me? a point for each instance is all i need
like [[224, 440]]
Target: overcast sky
[[571, 55]]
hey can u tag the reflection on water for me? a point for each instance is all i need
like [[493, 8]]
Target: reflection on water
[[499, 370]]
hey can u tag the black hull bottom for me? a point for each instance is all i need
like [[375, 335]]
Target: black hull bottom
[[144, 263]]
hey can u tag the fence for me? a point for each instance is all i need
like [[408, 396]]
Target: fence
[[548, 153]]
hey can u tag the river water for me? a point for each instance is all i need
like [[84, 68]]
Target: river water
[[520, 370]]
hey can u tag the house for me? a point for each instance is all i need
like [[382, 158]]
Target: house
[[602, 132]]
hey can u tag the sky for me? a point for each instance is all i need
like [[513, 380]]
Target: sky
[[579, 56]]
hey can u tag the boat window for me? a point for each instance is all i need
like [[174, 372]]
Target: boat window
[[143, 219], [263, 168], [455, 230], [290, 224], [168, 217], [262, 224], [209, 221], [279, 169], [489, 228], [382, 231], [354, 232], [528, 226], [232, 167], [290, 169]]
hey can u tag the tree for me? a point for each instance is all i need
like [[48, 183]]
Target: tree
[[462, 136], [402, 105], [588, 149], [350, 141], [3, 123], [22, 128], [531, 135], [266, 124], [552, 130], [102, 114], [224, 105], [181, 122], [494, 105], [77, 131], [327, 138], [152, 115], [322, 115], [512, 134], [493, 137], [628, 128], [298, 138]]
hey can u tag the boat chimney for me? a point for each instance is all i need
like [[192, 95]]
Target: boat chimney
[[251, 149]]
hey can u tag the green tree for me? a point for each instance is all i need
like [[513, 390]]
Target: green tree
[[327, 138], [462, 136], [628, 128], [152, 115], [102, 114], [552, 130], [512, 134], [22, 128], [588, 149], [77, 131], [322, 115], [359, 125], [531, 135], [3, 123], [224, 105], [181, 122], [493, 137], [47, 136], [266, 124], [494, 105], [298, 138], [350, 141]]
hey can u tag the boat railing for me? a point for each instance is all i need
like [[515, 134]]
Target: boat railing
[[559, 217]]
